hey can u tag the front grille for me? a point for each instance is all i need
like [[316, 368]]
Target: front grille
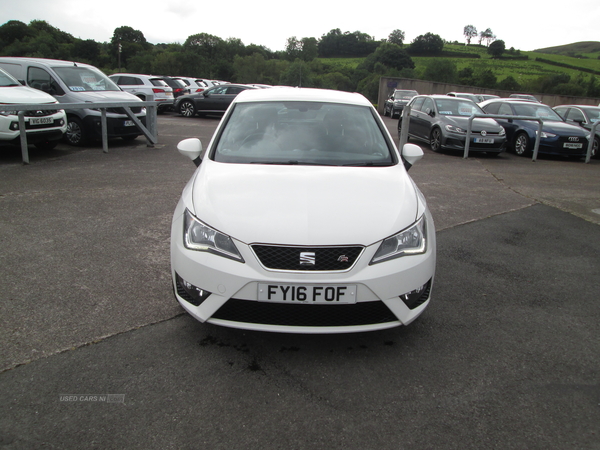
[[364, 313], [40, 113], [326, 259]]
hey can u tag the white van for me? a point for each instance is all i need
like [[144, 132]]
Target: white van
[[73, 82], [44, 127]]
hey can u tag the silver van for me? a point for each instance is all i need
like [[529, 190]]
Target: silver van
[[73, 82]]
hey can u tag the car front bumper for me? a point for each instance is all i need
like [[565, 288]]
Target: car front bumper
[[233, 289]]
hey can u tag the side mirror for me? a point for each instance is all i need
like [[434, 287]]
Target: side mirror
[[411, 153], [430, 112], [192, 148]]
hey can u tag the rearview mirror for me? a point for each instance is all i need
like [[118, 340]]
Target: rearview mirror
[[192, 148]]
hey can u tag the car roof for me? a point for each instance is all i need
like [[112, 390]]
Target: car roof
[[302, 94], [51, 62], [577, 106]]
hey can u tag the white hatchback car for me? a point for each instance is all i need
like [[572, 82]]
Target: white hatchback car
[[302, 218], [142, 86]]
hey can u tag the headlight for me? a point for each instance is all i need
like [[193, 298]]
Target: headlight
[[502, 132], [546, 135], [199, 236], [454, 129], [411, 241]]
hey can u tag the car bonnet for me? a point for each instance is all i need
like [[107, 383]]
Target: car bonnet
[[304, 205]]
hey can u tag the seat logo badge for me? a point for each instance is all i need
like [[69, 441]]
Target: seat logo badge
[[483, 133], [307, 258], [343, 258]]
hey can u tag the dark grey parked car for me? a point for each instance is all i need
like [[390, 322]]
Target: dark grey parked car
[[210, 101], [442, 121]]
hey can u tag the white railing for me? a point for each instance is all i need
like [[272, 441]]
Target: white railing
[[149, 130]]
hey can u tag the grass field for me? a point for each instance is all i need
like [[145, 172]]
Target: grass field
[[522, 70]]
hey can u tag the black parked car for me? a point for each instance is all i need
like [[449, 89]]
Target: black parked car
[[558, 137], [585, 116], [395, 103], [442, 121], [214, 100]]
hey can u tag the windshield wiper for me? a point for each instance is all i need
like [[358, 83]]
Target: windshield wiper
[[369, 164]]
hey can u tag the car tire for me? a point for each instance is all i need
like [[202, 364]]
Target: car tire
[[435, 140], [187, 109], [75, 134], [595, 146], [521, 144], [393, 114], [385, 111]]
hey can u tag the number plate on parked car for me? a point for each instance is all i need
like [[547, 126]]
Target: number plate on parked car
[[484, 140], [572, 145], [293, 293], [40, 120], [129, 123]]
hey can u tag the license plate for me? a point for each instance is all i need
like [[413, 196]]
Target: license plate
[[294, 293], [40, 120], [484, 140], [571, 145], [129, 123]]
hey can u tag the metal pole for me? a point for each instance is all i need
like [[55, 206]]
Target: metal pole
[[23, 136], [104, 130], [588, 155], [405, 117], [538, 138]]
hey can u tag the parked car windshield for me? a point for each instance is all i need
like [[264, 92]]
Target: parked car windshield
[[536, 110], [457, 107], [593, 113], [80, 79], [6, 80], [303, 133], [406, 95]]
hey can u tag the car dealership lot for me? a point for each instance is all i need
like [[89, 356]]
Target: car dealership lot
[[504, 357]]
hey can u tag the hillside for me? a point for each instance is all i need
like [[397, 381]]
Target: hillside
[[577, 48]]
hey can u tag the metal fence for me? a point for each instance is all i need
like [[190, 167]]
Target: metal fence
[[149, 130], [406, 119]]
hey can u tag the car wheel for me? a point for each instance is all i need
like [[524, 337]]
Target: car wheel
[[385, 111], [393, 114], [435, 140], [187, 109], [75, 134], [595, 146], [522, 144]]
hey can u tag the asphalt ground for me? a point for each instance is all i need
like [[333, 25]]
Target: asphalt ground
[[96, 353]]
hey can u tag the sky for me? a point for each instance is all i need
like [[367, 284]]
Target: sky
[[523, 24]]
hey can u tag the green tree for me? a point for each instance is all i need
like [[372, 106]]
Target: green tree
[[13, 30], [496, 48], [466, 76], [127, 42], [509, 84], [485, 79], [393, 56], [428, 44], [470, 32], [396, 37]]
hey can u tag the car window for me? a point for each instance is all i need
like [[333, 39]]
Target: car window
[[128, 81], [536, 110], [303, 133], [158, 82], [80, 79], [42, 80], [505, 110], [427, 105], [219, 90], [417, 104], [235, 89], [492, 108], [575, 115], [7, 80], [457, 107]]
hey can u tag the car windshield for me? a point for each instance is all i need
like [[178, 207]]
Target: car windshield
[[536, 110], [593, 114], [405, 95], [7, 81], [80, 79], [456, 107], [303, 133]]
